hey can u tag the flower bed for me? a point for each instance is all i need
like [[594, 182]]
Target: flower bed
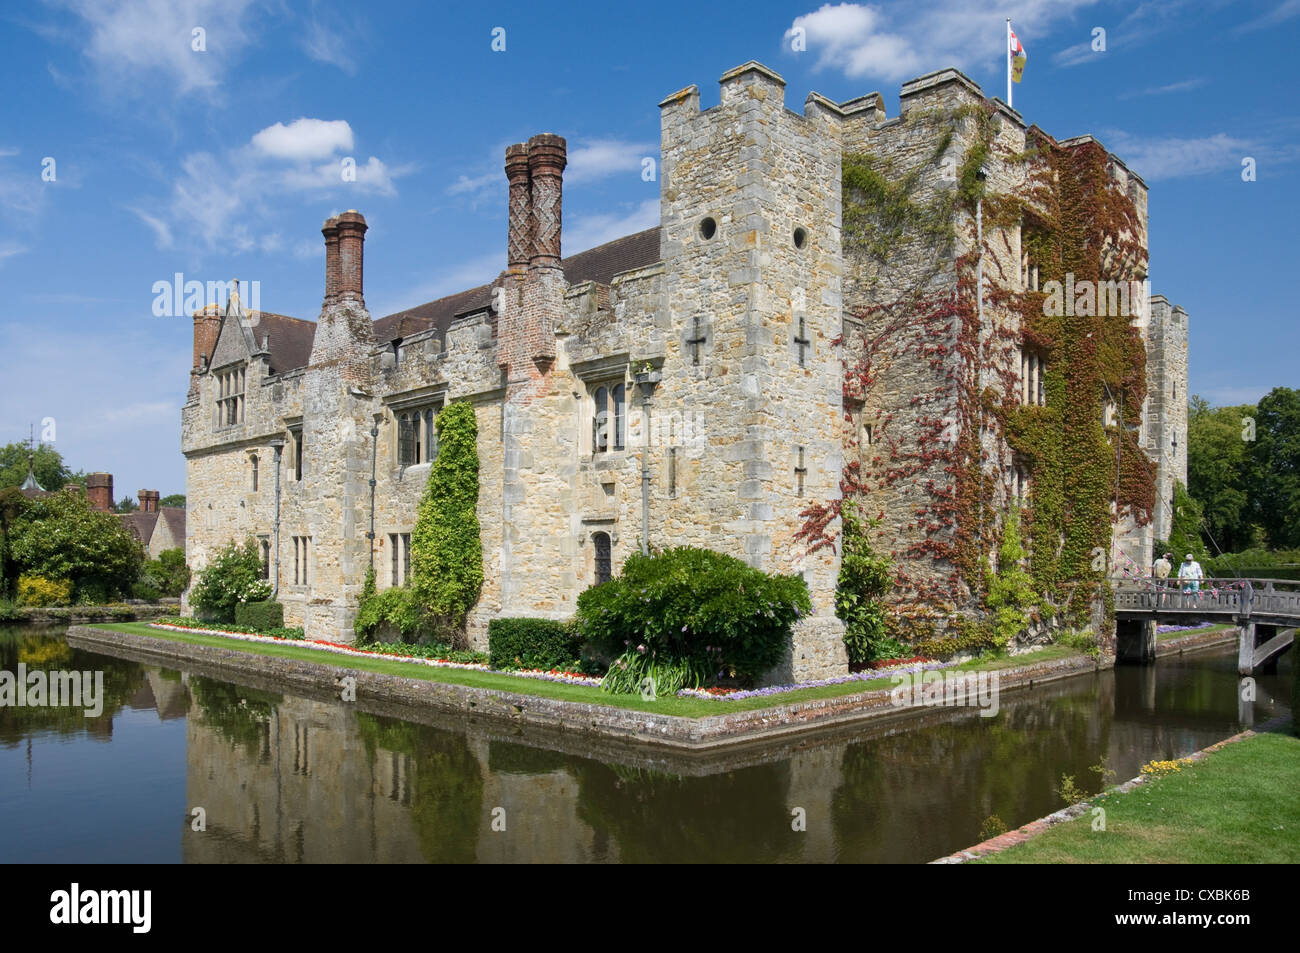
[[340, 648], [1162, 629], [893, 668]]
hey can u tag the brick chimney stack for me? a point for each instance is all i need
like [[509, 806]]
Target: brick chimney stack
[[207, 323], [148, 501], [547, 157], [99, 491], [519, 211], [352, 237], [331, 232]]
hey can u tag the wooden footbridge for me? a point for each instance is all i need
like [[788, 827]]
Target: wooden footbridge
[[1266, 613]]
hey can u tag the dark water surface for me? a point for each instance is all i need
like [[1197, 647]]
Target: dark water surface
[[283, 778]]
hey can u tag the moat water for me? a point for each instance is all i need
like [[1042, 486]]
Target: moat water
[[277, 777]]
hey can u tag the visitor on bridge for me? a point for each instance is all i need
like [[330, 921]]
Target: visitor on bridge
[[1191, 575], [1163, 567]]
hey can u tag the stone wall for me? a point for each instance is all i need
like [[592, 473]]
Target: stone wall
[[741, 321]]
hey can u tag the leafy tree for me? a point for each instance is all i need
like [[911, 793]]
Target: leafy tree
[[1218, 471], [61, 537], [1275, 454], [167, 575], [51, 472], [12, 506], [447, 554], [1185, 529], [173, 499], [234, 575], [865, 578], [126, 505], [1011, 596]]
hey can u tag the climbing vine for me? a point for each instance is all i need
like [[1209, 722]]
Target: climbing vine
[[927, 316], [446, 553]]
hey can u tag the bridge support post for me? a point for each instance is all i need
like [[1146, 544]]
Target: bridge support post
[[1246, 648]]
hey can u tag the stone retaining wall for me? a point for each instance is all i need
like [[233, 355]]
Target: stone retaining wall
[[668, 731]]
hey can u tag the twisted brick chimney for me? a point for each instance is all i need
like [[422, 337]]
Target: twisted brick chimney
[[535, 171], [519, 238], [547, 157]]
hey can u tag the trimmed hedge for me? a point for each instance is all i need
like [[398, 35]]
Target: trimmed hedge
[[260, 615], [532, 643]]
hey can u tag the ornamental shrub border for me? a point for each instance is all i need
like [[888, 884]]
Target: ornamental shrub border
[[554, 675]]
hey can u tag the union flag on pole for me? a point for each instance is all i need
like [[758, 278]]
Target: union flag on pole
[[1018, 56]]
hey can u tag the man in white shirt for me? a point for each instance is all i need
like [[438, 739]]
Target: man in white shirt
[[1163, 567], [1190, 574]]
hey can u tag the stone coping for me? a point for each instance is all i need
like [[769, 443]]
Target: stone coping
[[666, 732], [995, 845]]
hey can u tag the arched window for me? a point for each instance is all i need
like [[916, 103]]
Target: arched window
[[253, 460], [604, 565]]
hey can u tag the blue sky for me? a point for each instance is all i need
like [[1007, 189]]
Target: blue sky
[[222, 163]]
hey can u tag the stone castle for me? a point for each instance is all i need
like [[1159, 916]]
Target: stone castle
[[681, 386]]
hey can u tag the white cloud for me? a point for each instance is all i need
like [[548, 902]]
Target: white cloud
[[1170, 157], [304, 139], [1286, 10], [904, 41], [588, 160], [162, 232], [592, 230], [231, 200], [477, 183], [326, 45], [599, 158], [371, 176], [1181, 86], [131, 43], [8, 249]]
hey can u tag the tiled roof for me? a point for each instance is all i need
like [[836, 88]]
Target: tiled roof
[[140, 524], [175, 515], [291, 338]]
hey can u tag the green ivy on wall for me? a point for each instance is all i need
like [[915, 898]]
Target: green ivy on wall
[[446, 552]]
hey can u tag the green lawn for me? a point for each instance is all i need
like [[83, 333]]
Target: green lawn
[[1162, 636], [1238, 806], [684, 707]]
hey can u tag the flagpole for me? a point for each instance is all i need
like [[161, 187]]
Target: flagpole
[[1008, 46]]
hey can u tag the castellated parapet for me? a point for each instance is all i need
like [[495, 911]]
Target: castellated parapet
[[731, 312]]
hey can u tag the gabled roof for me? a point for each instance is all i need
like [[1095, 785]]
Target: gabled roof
[[175, 519], [291, 338], [140, 524]]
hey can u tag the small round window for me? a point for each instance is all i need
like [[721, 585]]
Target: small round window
[[800, 237], [708, 228]]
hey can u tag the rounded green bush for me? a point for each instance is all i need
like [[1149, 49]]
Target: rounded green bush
[[695, 612]]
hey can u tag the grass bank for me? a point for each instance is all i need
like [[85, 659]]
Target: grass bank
[[1164, 636], [682, 707], [1237, 806]]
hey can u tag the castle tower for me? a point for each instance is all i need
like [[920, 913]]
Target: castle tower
[[750, 241], [1166, 411]]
